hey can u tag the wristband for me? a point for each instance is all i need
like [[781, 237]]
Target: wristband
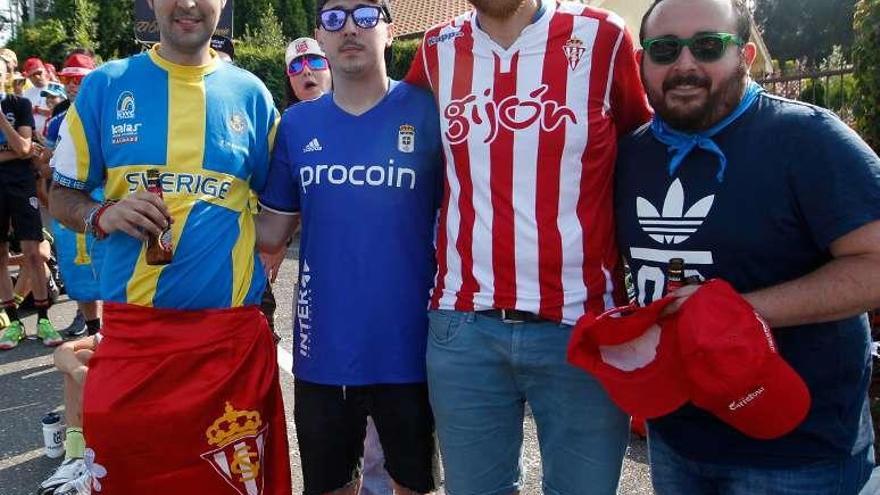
[[92, 218]]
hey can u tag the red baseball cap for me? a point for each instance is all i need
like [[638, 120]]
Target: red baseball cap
[[33, 65], [633, 352], [735, 371], [77, 65]]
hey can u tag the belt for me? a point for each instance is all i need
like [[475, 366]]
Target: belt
[[511, 315]]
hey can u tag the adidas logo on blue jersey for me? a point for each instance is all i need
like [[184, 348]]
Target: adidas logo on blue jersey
[[675, 225], [313, 145]]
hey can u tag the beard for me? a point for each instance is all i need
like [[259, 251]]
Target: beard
[[720, 102], [497, 9]]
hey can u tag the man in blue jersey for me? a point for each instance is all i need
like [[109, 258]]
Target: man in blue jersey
[[781, 200], [186, 357], [364, 176]]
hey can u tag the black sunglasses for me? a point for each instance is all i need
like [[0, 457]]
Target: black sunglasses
[[705, 47], [364, 17]]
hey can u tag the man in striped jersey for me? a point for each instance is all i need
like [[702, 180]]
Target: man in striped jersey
[[532, 96]]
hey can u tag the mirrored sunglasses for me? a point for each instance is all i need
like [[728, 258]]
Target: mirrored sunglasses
[[315, 62], [364, 17]]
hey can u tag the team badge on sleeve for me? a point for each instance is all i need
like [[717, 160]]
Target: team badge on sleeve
[[240, 438], [406, 138]]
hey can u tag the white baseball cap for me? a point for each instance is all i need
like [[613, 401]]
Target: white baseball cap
[[300, 47]]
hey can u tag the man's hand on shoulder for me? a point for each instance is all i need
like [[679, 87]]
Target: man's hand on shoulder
[[138, 214]]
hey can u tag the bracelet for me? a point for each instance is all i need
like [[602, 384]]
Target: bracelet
[[92, 218]]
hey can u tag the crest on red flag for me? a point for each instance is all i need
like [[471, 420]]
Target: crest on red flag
[[240, 438]]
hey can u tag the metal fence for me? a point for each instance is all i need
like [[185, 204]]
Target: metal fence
[[832, 89]]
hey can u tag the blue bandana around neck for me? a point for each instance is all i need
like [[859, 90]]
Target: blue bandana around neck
[[680, 144]]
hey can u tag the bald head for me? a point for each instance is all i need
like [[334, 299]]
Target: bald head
[[734, 14]]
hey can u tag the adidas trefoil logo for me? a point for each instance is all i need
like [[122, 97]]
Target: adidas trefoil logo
[[675, 225], [313, 145]]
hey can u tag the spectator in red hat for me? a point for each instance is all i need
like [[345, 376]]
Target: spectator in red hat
[[35, 70], [781, 200], [76, 67]]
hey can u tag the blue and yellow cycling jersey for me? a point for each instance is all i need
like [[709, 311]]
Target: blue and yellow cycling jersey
[[209, 130]]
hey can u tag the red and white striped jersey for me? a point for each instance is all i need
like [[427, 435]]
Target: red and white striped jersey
[[530, 138]]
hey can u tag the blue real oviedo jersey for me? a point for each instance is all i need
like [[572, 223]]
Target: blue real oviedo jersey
[[367, 188]]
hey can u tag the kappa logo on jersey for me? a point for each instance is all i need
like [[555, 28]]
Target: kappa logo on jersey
[[314, 145], [442, 38], [240, 437], [125, 106], [238, 123], [675, 225], [574, 51], [406, 138], [512, 113]]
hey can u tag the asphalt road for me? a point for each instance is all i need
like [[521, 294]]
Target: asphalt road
[[30, 387]]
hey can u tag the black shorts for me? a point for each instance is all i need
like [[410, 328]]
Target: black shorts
[[331, 426], [19, 208]]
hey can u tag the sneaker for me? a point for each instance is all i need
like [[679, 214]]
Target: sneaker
[[77, 327], [13, 334], [4, 319], [47, 332], [69, 470], [79, 486]]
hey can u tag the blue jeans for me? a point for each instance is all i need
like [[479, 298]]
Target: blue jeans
[[374, 479], [673, 474], [482, 371]]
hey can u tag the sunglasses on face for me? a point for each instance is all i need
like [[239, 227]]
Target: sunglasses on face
[[364, 17], [315, 62], [706, 47], [70, 79]]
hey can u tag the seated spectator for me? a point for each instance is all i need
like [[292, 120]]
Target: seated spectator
[[72, 477]]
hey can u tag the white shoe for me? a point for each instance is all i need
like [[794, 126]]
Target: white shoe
[[68, 471], [79, 486]]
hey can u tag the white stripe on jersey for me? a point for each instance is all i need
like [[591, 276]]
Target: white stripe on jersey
[[576, 137], [483, 79], [453, 280], [64, 158], [607, 106], [525, 173]]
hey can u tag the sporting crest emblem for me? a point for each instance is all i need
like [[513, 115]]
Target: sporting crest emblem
[[240, 439], [574, 52]]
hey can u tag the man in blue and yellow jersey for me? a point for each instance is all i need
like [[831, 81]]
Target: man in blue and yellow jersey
[[183, 394]]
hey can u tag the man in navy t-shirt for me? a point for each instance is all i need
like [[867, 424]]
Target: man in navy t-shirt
[[780, 199], [361, 167]]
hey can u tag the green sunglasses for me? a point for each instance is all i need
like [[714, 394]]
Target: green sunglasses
[[705, 47]]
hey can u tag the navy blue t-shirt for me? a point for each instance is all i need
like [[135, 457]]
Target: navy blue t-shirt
[[368, 188], [797, 179]]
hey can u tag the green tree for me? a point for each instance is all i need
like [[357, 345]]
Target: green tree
[[115, 28], [805, 29], [267, 31], [45, 39], [80, 20], [866, 57]]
